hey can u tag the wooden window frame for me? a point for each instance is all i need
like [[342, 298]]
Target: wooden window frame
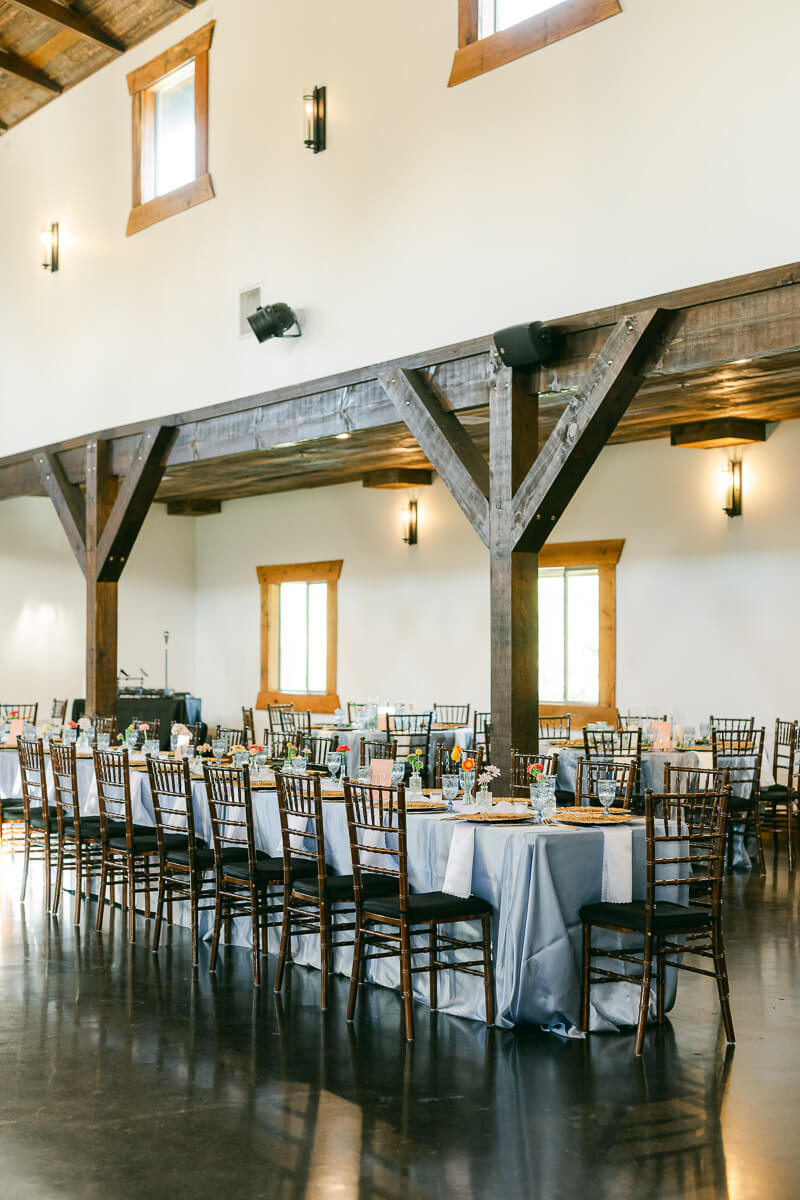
[[140, 84], [604, 556], [475, 55], [270, 579]]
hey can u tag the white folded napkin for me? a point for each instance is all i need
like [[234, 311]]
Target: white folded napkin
[[458, 876], [618, 865]]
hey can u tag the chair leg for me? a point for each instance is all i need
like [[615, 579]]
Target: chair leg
[[47, 873], [324, 952], [721, 972], [162, 887], [644, 999], [101, 898], [76, 919], [131, 882], [587, 962], [790, 831], [405, 975], [286, 938], [355, 973], [256, 940], [194, 887], [25, 861], [433, 974], [488, 968], [757, 825], [212, 962], [56, 900], [661, 971], [147, 889]]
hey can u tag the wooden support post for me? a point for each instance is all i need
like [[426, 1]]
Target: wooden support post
[[101, 598], [514, 574]]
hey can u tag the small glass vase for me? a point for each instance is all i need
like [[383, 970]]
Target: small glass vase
[[415, 783], [467, 781], [483, 800], [82, 745]]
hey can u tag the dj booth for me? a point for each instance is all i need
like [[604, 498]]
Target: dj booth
[[134, 704]]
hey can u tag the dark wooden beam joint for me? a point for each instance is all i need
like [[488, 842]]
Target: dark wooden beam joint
[[68, 501], [398, 477], [585, 426], [193, 508], [66, 18], [136, 494], [12, 64], [444, 442], [724, 431]]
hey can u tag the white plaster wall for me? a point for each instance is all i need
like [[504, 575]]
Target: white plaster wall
[[626, 160], [42, 604]]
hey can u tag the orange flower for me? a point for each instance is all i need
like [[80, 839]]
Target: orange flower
[[455, 753], [468, 764]]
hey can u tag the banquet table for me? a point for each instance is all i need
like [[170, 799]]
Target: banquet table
[[449, 737], [536, 879]]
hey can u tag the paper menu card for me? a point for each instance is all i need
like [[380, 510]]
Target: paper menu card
[[381, 771], [17, 725], [661, 732]]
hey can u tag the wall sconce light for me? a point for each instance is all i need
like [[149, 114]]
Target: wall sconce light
[[315, 107], [50, 247], [732, 484], [410, 527], [275, 320]]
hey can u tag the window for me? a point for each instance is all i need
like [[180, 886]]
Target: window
[[170, 131], [577, 628], [494, 32], [298, 635]]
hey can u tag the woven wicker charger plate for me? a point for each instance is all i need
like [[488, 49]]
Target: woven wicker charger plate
[[486, 818], [425, 806], [592, 816]]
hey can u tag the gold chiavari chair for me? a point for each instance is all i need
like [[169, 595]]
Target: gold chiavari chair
[[106, 725], [685, 852], [58, 712], [186, 872], [316, 749], [741, 752], [520, 778], [39, 824], [375, 749], [385, 926], [249, 725], [231, 737], [445, 764], [680, 779], [25, 712], [732, 725], [482, 733], [274, 714], [354, 711], [247, 879], [411, 731], [778, 801], [557, 728], [590, 772], [79, 843], [451, 714]]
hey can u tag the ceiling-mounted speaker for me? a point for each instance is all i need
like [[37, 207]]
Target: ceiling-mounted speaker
[[528, 345]]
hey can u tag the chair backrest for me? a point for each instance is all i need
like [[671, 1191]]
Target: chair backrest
[[591, 771], [613, 743], [196, 730], [106, 725], [784, 758], [317, 748], [683, 780], [686, 846], [34, 779], [373, 811], [171, 789], [741, 751], [520, 779], [59, 711], [64, 762], [302, 829], [411, 731], [249, 725], [451, 714], [375, 749], [230, 805], [557, 728], [231, 737], [444, 764], [151, 732], [732, 724], [114, 792], [482, 733], [274, 715], [26, 712]]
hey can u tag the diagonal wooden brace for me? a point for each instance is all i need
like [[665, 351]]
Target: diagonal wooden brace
[[68, 502], [135, 496]]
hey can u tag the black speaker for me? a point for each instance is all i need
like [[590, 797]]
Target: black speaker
[[528, 345]]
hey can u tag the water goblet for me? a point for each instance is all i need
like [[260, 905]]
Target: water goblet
[[450, 789], [364, 774], [173, 743], [299, 764], [333, 762], [152, 747], [606, 792], [189, 753], [398, 771], [539, 797], [218, 749], [103, 741], [131, 739]]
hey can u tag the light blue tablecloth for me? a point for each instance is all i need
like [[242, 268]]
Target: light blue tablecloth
[[354, 737], [535, 878]]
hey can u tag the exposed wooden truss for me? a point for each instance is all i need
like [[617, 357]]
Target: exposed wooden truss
[[47, 46]]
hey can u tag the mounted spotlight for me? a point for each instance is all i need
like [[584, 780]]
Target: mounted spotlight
[[275, 320], [528, 345]]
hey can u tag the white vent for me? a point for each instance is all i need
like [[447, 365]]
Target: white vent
[[249, 301]]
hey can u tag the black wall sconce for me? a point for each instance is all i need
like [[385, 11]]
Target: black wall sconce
[[50, 247], [732, 496], [410, 526], [315, 107], [274, 320]]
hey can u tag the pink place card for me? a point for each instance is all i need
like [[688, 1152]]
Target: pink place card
[[381, 771], [662, 734], [184, 739], [17, 726]]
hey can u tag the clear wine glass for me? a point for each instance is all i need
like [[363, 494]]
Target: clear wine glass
[[218, 749], [333, 762], [606, 792], [450, 789], [103, 741], [398, 771], [364, 774]]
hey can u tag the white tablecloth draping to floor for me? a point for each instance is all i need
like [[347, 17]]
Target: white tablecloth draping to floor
[[536, 879]]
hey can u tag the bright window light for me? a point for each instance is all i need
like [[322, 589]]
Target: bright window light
[[569, 635], [303, 637], [502, 14], [174, 130]]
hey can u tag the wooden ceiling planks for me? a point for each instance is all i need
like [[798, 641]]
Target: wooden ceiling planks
[[69, 43]]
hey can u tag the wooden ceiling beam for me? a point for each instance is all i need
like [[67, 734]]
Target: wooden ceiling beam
[[136, 494], [12, 64], [67, 18]]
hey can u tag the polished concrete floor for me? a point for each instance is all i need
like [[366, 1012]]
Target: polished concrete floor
[[124, 1075]]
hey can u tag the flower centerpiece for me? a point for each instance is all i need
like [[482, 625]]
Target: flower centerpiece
[[484, 797], [343, 750], [535, 772], [83, 746], [204, 750], [467, 770], [416, 764], [291, 751]]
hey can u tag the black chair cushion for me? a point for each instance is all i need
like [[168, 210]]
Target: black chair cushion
[[204, 856], [145, 840], [340, 887], [776, 792], [431, 906], [633, 916], [37, 820], [269, 871]]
